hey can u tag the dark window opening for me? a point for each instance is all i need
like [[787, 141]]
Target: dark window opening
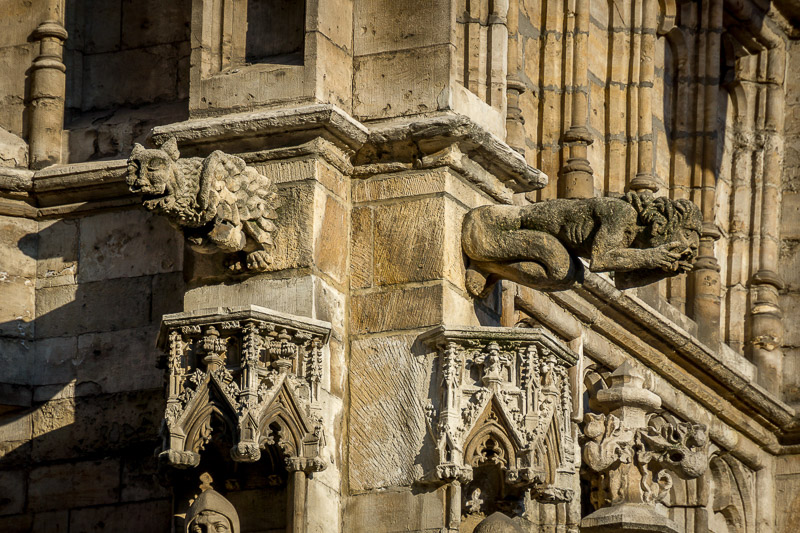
[[275, 31]]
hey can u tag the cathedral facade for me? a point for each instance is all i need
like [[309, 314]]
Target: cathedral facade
[[400, 266]]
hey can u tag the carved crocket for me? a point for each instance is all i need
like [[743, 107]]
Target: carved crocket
[[218, 202], [639, 237]]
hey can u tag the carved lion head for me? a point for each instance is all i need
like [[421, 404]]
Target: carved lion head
[[152, 173]]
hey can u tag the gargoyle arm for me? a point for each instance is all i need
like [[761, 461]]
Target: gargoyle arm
[[611, 247]]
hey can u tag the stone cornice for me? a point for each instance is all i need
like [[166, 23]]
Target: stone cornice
[[433, 134], [615, 319], [309, 121], [445, 140]]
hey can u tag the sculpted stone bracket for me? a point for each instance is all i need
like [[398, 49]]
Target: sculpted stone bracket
[[252, 370], [219, 203], [502, 396], [631, 451]]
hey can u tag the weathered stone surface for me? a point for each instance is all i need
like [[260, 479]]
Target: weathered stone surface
[[147, 516], [375, 311], [408, 237], [71, 309], [57, 254], [381, 512], [14, 491], [419, 72], [387, 419], [331, 232], [73, 485], [120, 244], [13, 150], [69, 428], [17, 357], [140, 477]]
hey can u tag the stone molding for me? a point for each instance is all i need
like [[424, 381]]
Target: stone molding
[[502, 395], [447, 140], [256, 370], [568, 312]]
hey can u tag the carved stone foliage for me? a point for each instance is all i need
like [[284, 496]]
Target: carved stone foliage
[[639, 237], [219, 203], [631, 452], [249, 371], [502, 399]]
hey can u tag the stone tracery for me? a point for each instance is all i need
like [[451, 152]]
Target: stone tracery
[[256, 371], [502, 408]]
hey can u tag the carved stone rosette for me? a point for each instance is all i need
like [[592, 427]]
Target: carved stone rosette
[[631, 452], [502, 395], [251, 369]]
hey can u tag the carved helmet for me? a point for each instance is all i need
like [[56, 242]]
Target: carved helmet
[[497, 523], [211, 500]]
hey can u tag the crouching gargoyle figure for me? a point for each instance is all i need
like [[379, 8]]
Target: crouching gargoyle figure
[[219, 203], [638, 237]]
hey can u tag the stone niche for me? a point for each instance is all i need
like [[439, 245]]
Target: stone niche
[[244, 407], [252, 53], [499, 416]]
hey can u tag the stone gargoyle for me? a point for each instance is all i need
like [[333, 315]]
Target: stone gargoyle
[[639, 237], [219, 203]]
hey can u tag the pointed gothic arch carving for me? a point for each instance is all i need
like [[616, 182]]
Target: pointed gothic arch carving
[[501, 404], [257, 371]]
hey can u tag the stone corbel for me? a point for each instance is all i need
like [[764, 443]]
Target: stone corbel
[[254, 370], [218, 202], [501, 400], [631, 452]]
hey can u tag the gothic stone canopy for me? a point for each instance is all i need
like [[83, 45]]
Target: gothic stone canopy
[[502, 396], [255, 370]]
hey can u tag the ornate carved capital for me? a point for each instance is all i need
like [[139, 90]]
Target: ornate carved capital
[[502, 400], [249, 372], [631, 452]]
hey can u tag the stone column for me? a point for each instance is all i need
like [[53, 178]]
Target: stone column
[[515, 122], [627, 452], [48, 87], [767, 316], [706, 277], [296, 506], [579, 182], [645, 178]]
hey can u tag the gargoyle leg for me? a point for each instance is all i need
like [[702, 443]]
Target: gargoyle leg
[[529, 257]]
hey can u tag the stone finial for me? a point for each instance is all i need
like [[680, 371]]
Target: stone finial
[[639, 237], [629, 452], [220, 203]]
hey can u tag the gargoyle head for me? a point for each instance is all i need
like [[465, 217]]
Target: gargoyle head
[[153, 173], [666, 221]]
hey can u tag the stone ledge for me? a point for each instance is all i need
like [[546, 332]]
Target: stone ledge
[[433, 134], [245, 312], [582, 313], [314, 119]]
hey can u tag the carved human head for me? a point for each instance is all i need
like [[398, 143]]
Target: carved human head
[[212, 513], [666, 221], [151, 172]]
